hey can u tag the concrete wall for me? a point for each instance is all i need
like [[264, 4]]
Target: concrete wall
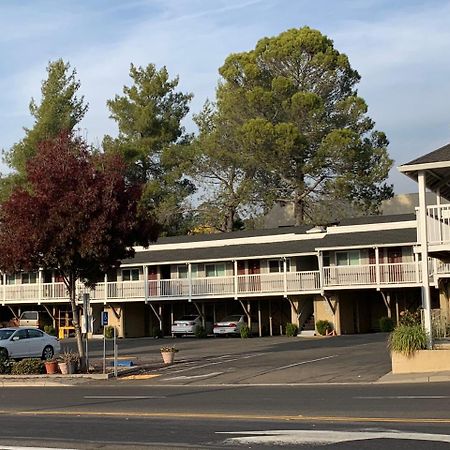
[[421, 361]]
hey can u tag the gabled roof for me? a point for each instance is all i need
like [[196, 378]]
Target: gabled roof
[[436, 165]]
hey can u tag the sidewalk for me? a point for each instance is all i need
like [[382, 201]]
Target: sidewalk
[[425, 377]]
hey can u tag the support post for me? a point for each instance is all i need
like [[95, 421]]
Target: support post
[[377, 266], [146, 284], [270, 318], [235, 279], [190, 282], [285, 277], [259, 318], [423, 239]]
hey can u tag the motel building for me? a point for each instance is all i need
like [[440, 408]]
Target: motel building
[[350, 273]]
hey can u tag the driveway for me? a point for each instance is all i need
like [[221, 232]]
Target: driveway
[[268, 360]]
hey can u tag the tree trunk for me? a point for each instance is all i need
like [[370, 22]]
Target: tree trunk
[[76, 323], [299, 211], [229, 219]]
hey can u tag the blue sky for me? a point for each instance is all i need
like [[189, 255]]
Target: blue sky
[[400, 48]]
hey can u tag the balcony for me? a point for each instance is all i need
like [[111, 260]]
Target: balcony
[[255, 285], [438, 228], [371, 275], [201, 288]]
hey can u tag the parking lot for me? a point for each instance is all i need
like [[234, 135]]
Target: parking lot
[[267, 360]]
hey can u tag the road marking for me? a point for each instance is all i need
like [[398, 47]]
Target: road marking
[[218, 416], [3, 447], [304, 362], [141, 376], [215, 363], [291, 437], [123, 397], [407, 397], [186, 377]]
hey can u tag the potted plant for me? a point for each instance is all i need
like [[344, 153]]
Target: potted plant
[[69, 362], [51, 366], [168, 354]]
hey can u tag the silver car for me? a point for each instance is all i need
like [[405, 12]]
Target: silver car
[[28, 343], [188, 325], [231, 325]]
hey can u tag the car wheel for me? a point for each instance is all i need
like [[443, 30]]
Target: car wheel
[[3, 353], [48, 352]]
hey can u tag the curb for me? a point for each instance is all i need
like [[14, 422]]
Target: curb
[[430, 377]]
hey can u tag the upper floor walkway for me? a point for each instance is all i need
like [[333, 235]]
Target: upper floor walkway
[[392, 275]]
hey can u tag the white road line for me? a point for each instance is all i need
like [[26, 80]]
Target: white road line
[[185, 377], [305, 362], [3, 447], [297, 437], [215, 363], [123, 397], [407, 397]]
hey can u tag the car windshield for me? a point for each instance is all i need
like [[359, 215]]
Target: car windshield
[[231, 319], [188, 317], [5, 334]]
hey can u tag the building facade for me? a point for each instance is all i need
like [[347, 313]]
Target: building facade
[[351, 274]]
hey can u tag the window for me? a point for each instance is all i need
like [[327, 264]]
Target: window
[[10, 279], [35, 333], [29, 277], [347, 258], [130, 274], [277, 265], [182, 271], [215, 270]]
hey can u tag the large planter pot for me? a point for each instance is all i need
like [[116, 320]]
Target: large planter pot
[[63, 368], [421, 361], [51, 367], [71, 367], [168, 357]]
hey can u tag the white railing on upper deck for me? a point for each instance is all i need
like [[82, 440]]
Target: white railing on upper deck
[[371, 274], [438, 225], [229, 286]]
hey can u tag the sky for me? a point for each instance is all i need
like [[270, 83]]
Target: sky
[[400, 48]]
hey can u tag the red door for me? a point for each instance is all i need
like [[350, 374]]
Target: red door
[[241, 279], [372, 263], [254, 270], [394, 256], [152, 281]]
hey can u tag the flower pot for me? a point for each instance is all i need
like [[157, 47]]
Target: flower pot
[[168, 357], [71, 367], [51, 367], [63, 368]]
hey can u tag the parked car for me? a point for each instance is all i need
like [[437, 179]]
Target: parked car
[[28, 342], [188, 324], [34, 319], [231, 325]]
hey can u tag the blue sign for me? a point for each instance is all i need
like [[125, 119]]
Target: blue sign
[[104, 318]]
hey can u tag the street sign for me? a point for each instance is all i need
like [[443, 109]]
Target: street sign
[[104, 318]]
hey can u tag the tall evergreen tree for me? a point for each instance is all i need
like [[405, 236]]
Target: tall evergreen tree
[[60, 109], [151, 137], [300, 126]]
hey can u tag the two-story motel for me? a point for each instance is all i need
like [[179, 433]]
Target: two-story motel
[[351, 273]]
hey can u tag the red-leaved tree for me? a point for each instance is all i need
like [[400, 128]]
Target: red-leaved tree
[[77, 215]]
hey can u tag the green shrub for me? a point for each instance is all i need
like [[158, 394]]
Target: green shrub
[[407, 339], [157, 333], [5, 364], [109, 332], [386, 324], [291, 329], [200, 332], [245, 331], [49, 329], [323, 327], [28, 366]]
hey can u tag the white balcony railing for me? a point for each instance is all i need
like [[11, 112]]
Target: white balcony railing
[[438, 225], [371, 274], [229, 286]]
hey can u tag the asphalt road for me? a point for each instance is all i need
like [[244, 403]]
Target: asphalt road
[[134, 416], [269, 360]]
